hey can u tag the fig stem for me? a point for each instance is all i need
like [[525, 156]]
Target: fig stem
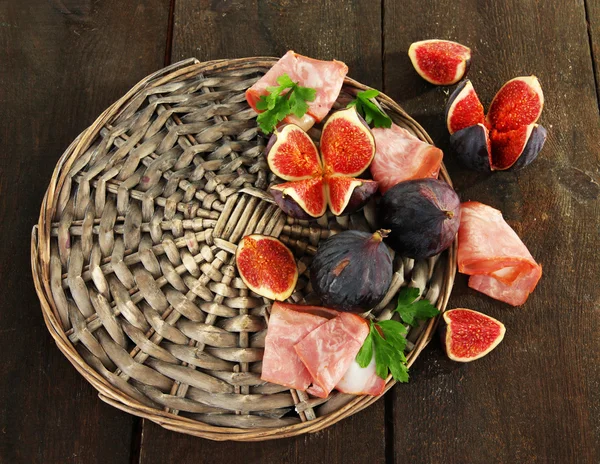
[[381, 234], [450, 214]]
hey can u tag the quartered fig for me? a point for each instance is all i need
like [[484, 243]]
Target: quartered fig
[[463, 108], [472, 147], [347, 194], [267, 266], [347, 144], [509, 137], [422, 215], [303, 199], [352, 270], [518, 103], [440, 62], [469, 335], [292, 155], [317, 180], [517, 148]]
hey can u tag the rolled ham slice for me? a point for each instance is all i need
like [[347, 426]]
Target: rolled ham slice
[[329, 350], [281, 364], [401, 156], [326, 77], [491, 252]]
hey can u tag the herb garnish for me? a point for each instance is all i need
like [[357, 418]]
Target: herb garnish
[[387, 337], [277, 105], [369, 110]]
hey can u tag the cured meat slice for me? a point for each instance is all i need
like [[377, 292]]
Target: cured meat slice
[[281, 364], [328, 351], [401, 156], [326, 77], [361, 381], [491, 252]]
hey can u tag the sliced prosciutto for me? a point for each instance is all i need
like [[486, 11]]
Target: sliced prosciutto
[[326, 77], [328, 351], [361, 380], [491, 252], [401, 156], [281, 364]]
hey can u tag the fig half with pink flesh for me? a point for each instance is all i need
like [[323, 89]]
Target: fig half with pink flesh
[[292, 155], [469, 335], [440, 62], [317, 180], [472, 147], [464, 108], [347, 195], [302, 199], [267, 266], [347, 144], [518, 103], [517, 148]]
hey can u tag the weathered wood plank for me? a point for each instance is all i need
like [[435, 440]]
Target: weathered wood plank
[[348, 31], [63, 62], [535, 399], [592, 10]]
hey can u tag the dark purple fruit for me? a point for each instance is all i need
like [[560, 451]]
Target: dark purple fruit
[[422, 215], [352, 270], [471, 146], [517, 148]]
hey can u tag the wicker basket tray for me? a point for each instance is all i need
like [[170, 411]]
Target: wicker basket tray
[[133, 258]]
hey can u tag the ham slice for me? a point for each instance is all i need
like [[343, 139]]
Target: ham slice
[[401, 156], [326, 77], [281, 364], [361, 381], [491, 252], [328, 351]]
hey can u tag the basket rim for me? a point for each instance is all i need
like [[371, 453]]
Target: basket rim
[[40, 263]]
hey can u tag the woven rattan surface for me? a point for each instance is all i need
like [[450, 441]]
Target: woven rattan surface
[[133, 257]]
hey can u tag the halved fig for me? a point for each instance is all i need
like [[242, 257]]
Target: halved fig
[[303, 199], [470, 335], [440, 62], [517, 148], [472, 148], [518, 103], [292, 155], [267, 266], [347, 195], [347, 144], [463, 108]]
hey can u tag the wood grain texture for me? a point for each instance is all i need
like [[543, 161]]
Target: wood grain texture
[[536, 397], [348, 31], [63, 62], [592, 16]]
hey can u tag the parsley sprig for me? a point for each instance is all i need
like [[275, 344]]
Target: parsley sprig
[[369, 110], [283, 100], [387, 338]]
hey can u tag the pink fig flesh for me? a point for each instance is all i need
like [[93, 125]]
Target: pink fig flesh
[[303, 199], [440, 62], [464, 108], [518, 103], [292, 155], [267, 266], [517, 148], [470, 335]]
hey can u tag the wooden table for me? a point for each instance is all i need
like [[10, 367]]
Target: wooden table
[[535, 399]]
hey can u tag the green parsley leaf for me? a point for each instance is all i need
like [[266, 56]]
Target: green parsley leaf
[[370, 111], [278, 103], [411, 310], [364, 356]]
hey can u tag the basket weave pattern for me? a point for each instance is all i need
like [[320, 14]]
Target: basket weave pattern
[[134, 257]]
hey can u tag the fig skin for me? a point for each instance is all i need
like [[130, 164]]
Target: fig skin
[[360, 197], [290, 206], [352, 270], [471, 147], [532, 149], [422, 215]]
